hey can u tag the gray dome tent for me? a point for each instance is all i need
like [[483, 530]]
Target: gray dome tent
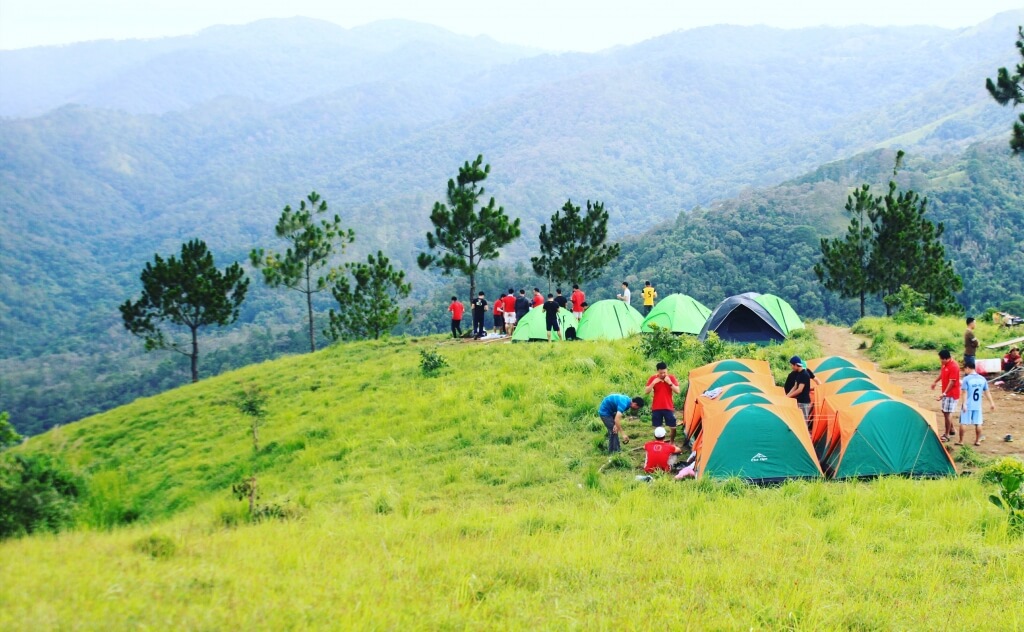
[[745, 318]]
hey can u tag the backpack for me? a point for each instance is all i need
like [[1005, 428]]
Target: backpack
[[570, 333]]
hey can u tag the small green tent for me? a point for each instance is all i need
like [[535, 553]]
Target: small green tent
[[533, 326], [609, 320], [679, 313]]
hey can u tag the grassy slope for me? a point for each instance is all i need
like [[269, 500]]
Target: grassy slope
[[472, 499]]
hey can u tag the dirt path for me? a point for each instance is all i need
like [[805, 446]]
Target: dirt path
[[1008, 417]]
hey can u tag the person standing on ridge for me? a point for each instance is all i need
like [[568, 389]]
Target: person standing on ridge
[[798, 386], [522, 305], [664, 385], [971, 388], [949, 376], [499, 314], [577, 298], [611, 411], [561, 300], [456, 308], [970, 341], [479, 309], [624, 297], [649, 295], [538, 298], [550, 308], [511, 317]]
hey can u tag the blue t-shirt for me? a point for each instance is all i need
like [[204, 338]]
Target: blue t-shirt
[[612, 404], [973, 385]]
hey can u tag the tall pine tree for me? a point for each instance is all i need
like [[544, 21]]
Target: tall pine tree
[[368, 305], [1008, 89], [463, 236], [573, 250], [845, 265]]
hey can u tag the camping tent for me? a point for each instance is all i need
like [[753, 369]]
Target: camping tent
[[609, 320], [744, 318], [761, 444], [885, 437], [760, 382], [679, 313], [533, 325]]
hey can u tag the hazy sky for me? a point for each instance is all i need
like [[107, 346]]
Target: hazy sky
[[584, 25]]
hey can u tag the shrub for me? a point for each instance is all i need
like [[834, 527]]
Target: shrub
[[156, 546], [660, 344], [1010, 497], [37, 493], [1007, 466], [968, 457], [431, 362]]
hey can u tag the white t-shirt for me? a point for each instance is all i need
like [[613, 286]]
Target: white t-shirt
[[625, 295]]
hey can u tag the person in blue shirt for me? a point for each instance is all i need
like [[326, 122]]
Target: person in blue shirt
[[610, 411], [971, 388]]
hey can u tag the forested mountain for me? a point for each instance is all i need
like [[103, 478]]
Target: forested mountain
[[153, 143]]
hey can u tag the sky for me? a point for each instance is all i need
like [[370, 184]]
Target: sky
[[557, 25]]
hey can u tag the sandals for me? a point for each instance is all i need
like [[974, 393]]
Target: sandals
[[944, 438]]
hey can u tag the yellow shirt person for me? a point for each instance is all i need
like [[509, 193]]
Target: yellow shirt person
[[649, 295]]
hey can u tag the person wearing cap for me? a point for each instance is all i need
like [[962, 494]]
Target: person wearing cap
[[664, 385], [661, 454], [798, 387], [971, 388], [610, 411]]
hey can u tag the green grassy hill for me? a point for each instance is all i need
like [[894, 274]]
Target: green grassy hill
[[474, 498]]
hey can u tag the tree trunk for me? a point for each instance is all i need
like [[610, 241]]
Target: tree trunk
[[252, 496], [309, 311], [862, 303], [472, 275], [195, 355]]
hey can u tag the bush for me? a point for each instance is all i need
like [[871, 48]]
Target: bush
[[1009, 475], [37, 493], [431, 362], [155, 546], [1007, 466], [660, 344]]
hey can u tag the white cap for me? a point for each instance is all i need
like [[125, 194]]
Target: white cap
[[659, 433]]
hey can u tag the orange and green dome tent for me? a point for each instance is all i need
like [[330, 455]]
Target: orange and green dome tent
[[758, 443], [699, 384], [885, 437]]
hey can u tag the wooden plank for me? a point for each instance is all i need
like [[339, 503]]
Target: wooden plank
[[1006, 343]]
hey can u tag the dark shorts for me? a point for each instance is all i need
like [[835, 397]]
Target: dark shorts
[[667, 417], [552, 325], [499, 320]]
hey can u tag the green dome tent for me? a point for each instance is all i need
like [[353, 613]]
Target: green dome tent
[[609, 320], [533, 326], [679, 313], [781, 311]]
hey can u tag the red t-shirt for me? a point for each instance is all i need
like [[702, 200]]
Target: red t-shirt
[[510, 303], [657, 455], [499, 306], [577, 298], [456, 308], [662, 393], [538, 300], [950, 373]]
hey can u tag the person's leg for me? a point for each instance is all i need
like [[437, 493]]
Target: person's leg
[[977, 434], [455, 326], [613, 438]]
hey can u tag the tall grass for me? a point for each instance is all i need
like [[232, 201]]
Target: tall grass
[[915, 347], [475, 498]]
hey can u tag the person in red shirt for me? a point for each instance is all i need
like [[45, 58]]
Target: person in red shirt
[[661, 454], [1012, 359], [664, 385], [456, 308], [510, 311], [538, 298], [949, 375], [499, 315], [577, 298]]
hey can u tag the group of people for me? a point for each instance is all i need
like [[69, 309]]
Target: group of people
[[661, 453], [964, 394], [648, 294], [510, 308]]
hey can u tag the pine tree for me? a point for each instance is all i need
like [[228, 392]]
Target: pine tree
[[368, 306], [312, 245], [845, 262], [189, 292], [1008, 89], [464, 237], [573, 250]]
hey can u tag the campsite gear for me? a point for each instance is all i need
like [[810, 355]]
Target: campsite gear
[[678, 313], [1008, 438], [609, 320], [752, 317], [533, 325], [570, 332], [758, 443]]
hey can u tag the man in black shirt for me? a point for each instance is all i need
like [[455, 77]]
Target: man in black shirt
[[479, 309], [551, 317], [798, 386], [561, 300], [522, 305]]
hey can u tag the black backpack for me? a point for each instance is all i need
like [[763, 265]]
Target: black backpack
[[570, 333]]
